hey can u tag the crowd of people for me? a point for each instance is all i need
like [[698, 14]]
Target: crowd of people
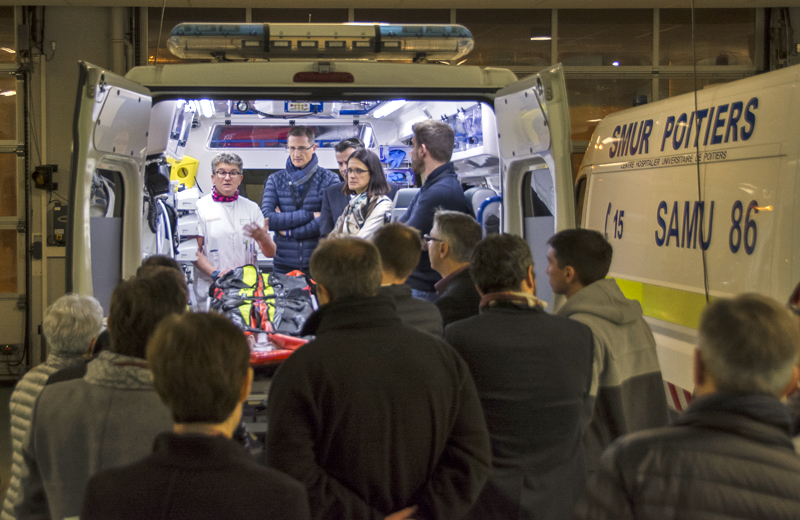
[[436, 385]]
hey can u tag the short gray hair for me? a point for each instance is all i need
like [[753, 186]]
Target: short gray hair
[[749, 344], [460, 231], [71, 323], [347, 267], [226, 158]]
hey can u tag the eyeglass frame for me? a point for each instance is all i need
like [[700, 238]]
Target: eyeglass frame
[[427, 238], [357, 171], [222, 174], [301, 149]]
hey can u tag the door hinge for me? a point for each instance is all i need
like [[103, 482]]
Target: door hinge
[[21, 150], [22, 302], [22, 226]]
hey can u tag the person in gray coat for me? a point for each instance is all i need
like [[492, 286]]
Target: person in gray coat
[[730, 455], [108, 418], [627, 392], [400, 247], [71, 326]]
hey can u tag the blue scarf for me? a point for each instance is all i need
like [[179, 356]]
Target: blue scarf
[[300, 176]]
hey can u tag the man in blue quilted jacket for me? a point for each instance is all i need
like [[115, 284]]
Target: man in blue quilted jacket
[[293, 200]]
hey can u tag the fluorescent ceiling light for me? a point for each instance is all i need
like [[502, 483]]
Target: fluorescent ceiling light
[[10, 51], [8, 93], [541, 38], [367, 138], [387, 108], [207, 107]]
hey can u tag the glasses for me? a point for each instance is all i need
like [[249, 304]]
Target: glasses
[[222, 174], [298, 149], [428, 238], [357, 171]]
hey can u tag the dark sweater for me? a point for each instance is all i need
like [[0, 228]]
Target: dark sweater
[[460, 298], [374, 416], [420, 314], [533, 372], [441, 190], [194, 477]]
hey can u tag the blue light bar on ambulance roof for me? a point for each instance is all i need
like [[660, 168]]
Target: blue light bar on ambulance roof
[[326, 41]]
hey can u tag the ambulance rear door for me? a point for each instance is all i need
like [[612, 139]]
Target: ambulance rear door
[[536, 168], [110, 130]]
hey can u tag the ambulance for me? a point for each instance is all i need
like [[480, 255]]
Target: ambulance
[[143, 143], [697, 196]]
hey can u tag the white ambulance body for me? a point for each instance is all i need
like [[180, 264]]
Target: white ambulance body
[[698, 200], [512, 136]]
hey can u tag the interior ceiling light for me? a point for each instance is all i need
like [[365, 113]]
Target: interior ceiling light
[[6, 49], [541, 38], [207, 107], [8, 93], [387, 108]]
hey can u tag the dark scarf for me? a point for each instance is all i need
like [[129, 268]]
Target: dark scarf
[[219, 197], [516, 298], [300, 176]]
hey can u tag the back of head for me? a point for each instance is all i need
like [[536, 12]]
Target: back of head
[[585, 250], [139, 304], [347, 268], [460, 231], [500, 263], [71, 323], [438, 138], [301, 131], [199, 363], [160, 261], [399, 246], [749, 344], [350, 142], [159, 267]]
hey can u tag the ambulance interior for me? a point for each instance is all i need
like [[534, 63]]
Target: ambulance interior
[[185, 134]]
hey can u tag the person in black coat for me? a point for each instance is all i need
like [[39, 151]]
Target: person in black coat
[[201, 371], [400, 246], [432, 148], [376, 418], [450, 244], [533, 372], [730, 455]]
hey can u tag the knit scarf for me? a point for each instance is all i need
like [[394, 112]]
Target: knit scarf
[[358, 207], [300, 176], [219, 197], [119, 371], [517, 298]]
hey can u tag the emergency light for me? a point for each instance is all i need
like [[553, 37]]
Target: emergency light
[[433, 42]]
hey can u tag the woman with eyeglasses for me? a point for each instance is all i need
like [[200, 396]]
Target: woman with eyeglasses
[[366, 185], [229, 227]]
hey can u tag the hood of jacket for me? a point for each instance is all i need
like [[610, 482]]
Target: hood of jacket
[[604, 299]]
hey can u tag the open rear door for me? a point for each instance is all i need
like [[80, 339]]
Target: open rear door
[[112, 118], [536, 166]]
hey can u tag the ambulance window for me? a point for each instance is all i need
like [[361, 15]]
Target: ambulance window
[[261, 136], [505, 37], [723, 36], [299, 15], [538, 200], [612, 37]]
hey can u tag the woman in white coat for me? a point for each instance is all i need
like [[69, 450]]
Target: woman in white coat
[[366, 185], [229, 227]]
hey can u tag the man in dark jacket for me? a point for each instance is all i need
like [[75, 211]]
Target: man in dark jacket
[[376, 418], [333, 199], [533, 372], [730, 455], [400, 246], [201, 371], [450, 244], [432, 147], [627, 389], [293, 200]]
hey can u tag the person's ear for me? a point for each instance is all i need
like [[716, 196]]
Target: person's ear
[[247, 385], [529, 283], [791, 387], [423, 151], [570, 274], [323, 296]]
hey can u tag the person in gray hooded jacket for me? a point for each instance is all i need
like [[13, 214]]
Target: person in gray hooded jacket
[[71, 326], [627, 392]]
